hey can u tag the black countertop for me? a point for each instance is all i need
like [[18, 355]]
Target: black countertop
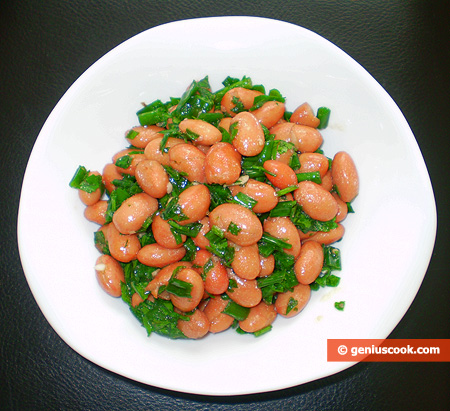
[[46, 45]]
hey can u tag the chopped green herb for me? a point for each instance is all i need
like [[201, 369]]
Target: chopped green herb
[[339, 305], [233, 228], [323, 114], [84, 181], [313, 176], [236, 311], [132, 134], [291, 305]]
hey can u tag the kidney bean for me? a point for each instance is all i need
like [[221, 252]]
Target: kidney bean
[[145, 135], [222, 164], [270, 113], [89, 199], [305, 116], [284, 229], [328, 237], [259, 317], [263, 193], [152, 150], [311, 162], [250, 228], [96, 212], [207, 133], [123, 247], [163, 234], [345, 176], [196, 327], [318, 203], [299, 296], [188, 159], [186, 304], [218, 320], [249, 139], [154, 255], [194, 203], [246, 292], [245, 96], [284, 175], [306, 139], [134, 212], [246, 263], [109, 275], [309, 263], [152, 178], [136, 155]]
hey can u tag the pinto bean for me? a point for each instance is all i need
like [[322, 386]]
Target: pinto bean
[[163, 234], [136, 156], [188, 159], [327, 237], [284, 229], [207, 133], [245, 96], [270, 113], [222, 164], [109, 275], [196, 327], [212, 271], [246, 292], [89, 199], [246, 263], [162, 277], [311, 162], [306, 139], [194, 203], [123, 247], [283, 176], [225, 123], [342, 208], [110, 173], [267, 265], [186, 304], [152, 178], [155, 255], [250, 228], [96, 212], [153, 149], [249, 139], [318, 203], [259, 317], [345, 176], [263, 193], [144, 136], [305, 116], [200, 240], [133, 213], [327, 181], [298, 298], [309, 263], [214, 312]]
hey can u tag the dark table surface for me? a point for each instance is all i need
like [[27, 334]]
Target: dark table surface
[[46, 45]]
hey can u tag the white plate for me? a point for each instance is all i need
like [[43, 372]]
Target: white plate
[[386, 249]]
